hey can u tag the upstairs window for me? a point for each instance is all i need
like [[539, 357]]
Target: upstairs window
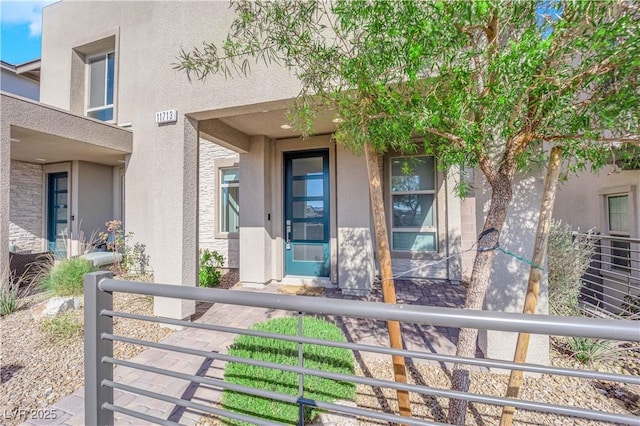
[[100, 87], [413, 192], [229, 200]]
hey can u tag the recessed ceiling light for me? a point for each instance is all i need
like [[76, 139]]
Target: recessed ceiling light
[[41, 159], [337, 120], [286, 126], [266, 110], [15, 140], [121, 161]]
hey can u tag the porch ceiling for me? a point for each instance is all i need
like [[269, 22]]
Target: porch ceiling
[[233, 127], [37, 147], [44, 134]]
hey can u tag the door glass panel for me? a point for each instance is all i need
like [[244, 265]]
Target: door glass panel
[[61, 199], [308, 209], [61, 214], [310, 166], [308, 231], [61, 184], [414, 241], [308, 188], [412, 211], [308, 252], [412, 174]]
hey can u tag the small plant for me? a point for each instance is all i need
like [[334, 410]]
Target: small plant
[[67, 277], [316, 357], [210, 263], [568, 260], [62, 326], [9, 302], [135, 260]]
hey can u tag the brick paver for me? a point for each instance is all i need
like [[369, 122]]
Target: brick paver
[[70, 410]]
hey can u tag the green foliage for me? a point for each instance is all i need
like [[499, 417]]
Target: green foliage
[[9, 302], [482, 83], [135, 258], [66, 277], [62, 326], [210, 263], [568, 260], [316, 357]]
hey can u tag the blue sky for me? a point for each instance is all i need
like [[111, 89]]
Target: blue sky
[[21, 29]]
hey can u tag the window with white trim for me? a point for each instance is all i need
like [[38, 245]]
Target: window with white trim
[[413, 204], [229, 207], [100, 85], [618, 222]]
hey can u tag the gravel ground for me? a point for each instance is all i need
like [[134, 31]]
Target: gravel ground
[[38, 370]]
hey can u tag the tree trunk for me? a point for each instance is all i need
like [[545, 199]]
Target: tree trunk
[[388, 287], [502, 193], [535, 275]]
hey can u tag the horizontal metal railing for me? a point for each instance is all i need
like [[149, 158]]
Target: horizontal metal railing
[[611, 284], [99, 360]]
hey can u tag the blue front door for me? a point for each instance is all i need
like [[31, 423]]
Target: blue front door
[[306, 218], [57, 222]]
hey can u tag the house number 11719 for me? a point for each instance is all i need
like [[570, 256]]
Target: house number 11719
[[168, 116]]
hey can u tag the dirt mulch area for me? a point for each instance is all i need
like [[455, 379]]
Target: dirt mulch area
[[38, 370]]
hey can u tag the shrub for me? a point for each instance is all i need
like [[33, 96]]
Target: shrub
[[62, 326], [210, 264], [283, 352], [9, 302], [66, 278], [568, 260]]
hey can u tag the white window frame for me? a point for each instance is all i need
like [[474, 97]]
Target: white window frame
[[106, 85], [220, 205], [434, 192], [623, 234]]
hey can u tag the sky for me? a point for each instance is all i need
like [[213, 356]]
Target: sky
[[21, 30]]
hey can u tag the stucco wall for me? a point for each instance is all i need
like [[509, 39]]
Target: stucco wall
[[26, 201], [94, 199], [19, 85], [212, 157], [579, 201]]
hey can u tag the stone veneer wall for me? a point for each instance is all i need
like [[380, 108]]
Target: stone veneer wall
[[25, 206], [228, 247]]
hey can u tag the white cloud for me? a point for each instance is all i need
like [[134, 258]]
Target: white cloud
[[24, 12]]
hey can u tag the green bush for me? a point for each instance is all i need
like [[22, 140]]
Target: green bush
[[210, 264], [66, 278], [62, 326], [273, 350], [9, 302]]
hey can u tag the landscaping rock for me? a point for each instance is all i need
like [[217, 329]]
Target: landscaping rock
[[55, 306]]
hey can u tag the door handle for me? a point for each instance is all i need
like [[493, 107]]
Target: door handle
[[288, 236]]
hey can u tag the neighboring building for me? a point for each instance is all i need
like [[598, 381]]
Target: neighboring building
[[226, 172], [607, 204], [22, 80]]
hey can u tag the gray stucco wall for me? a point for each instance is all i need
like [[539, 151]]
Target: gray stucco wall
[[212, 157], [26, 205], [94, 198]]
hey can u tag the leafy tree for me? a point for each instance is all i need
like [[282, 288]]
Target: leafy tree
[[479, 84]]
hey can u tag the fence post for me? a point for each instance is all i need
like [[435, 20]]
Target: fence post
[[95, 348], [300, 375]]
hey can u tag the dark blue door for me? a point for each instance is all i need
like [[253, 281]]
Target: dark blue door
[[57, 205], [306, 218]]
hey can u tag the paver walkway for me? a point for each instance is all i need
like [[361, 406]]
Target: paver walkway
[[70, 410]]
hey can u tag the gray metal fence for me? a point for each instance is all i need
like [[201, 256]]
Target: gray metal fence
[[99, 360], [611, 284]]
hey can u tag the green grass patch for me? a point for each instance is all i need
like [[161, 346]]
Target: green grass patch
[[62, 326], [66, 278], [273, 350]]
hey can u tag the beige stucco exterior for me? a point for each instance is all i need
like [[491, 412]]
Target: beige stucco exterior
[[171, 188]]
